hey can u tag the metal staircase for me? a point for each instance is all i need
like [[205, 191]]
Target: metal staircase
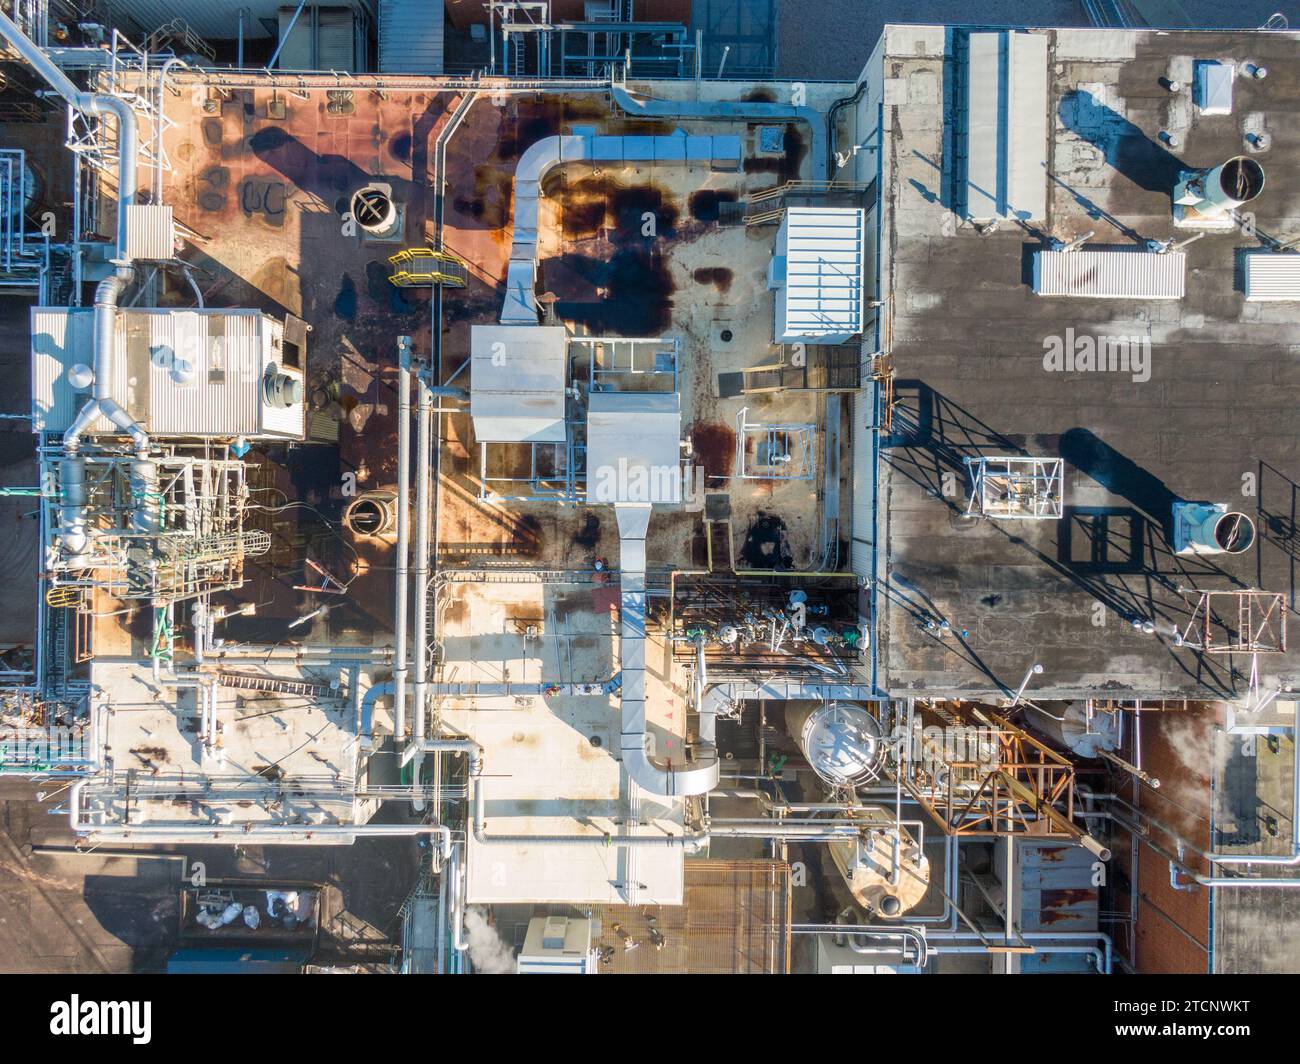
[[425, 267], [243, 681], [816, 368]]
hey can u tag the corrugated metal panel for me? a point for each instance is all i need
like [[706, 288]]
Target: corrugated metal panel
[[223, 395], [864, 488], [296, 52], [150, 232], [1006, 125], [820, 298], [211, 19], [410, 36], [336, 42], [179, 372], [1117, 274], [1270, 276]]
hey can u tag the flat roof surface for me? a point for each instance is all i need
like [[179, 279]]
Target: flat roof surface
[[551, 763], [284, 758], [1210, 416]]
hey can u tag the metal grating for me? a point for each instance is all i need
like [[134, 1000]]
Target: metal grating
[[734, 920]]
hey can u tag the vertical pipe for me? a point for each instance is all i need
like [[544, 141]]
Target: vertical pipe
[[403, 535], [424, 449], [288, 30]]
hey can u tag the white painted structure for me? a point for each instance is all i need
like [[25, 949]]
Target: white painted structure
[[1005, 126], [1272, 277], [816, 273], [182, 373], [1117, 274], [518, 374]]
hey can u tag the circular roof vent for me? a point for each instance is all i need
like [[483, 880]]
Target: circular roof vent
[[373, 209]]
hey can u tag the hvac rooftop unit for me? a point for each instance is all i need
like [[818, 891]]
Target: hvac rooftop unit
[[817, 273], [180, 373], [1112, 274], [1272, 277]]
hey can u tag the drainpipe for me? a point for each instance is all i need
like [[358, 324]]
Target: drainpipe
[[403, 535]]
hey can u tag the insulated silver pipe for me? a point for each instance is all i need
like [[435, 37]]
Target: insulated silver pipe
[[107, 295], [244, 832], [456, 873], [424, 452], [403, 535], [721, 829], [448, 746], [89, 103]]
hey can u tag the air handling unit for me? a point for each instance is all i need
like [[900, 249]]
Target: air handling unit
[[178, 373], [816, 275]]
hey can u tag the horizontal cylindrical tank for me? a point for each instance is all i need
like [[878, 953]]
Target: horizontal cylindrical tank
[[884, 868], [840, 740], [1070, 727]]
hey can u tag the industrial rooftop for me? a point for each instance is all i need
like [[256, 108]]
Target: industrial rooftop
[[624, 490]]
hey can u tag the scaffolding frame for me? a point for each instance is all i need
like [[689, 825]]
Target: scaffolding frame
[[567, 459], [612, 357], [1016, 487], [781, 451], [1260, 623], [24, 257], [198, 548]]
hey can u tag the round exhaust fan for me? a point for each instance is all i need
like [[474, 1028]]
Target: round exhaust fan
[[281, 390]]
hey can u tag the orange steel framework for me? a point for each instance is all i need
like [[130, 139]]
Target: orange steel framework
[[1015, 786]]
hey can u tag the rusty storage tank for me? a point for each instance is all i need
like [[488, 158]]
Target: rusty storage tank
[[884, 867]]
